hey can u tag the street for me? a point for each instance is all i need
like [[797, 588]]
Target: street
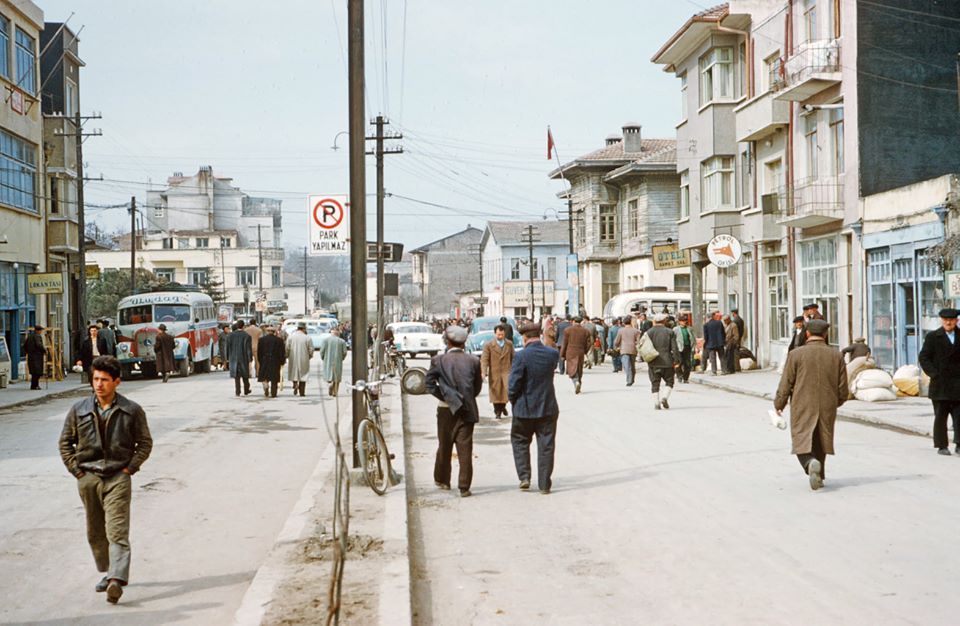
[[696, 515], [207, 505]]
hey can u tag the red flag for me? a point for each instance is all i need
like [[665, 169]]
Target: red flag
[[549, 144]]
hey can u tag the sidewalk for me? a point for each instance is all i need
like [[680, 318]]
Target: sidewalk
[[18, 392], [908, 415]]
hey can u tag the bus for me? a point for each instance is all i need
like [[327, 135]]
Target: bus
[[189, 315], [651, 301]]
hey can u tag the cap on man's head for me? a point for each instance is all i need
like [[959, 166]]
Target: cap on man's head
[[818, 327], [799, 319], [948, 314], [162, 327], [456, 335], [302, 325], [578, 319], [806, 307], [659, 318], [531, 329], [812, 305], [734, 310], [38, 328]]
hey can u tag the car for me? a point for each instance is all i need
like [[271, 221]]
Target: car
[[317, 329], [481, 331], [413, 338]]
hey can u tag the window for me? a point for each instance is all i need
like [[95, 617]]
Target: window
[[54, 195], [171, 312], [70, 103], [165, 273], [4, 47], [246, 276], [535, 269], [836, 138], [520, 311], [18, 170], [772, 180], [810, 20], [552, 268], [683, 96], [514, 269], [681, 282], [746, 178], [742, 69], [778, 293], [203, 242], [225, 243], [197, 276], [608, 223], [633, 219], [716, 75], [142, 314], [167, 243], [773, 72], [275, 278], [684, 194], [717, 183], [158, 212], [810, 144], [818, 272], [26, 63], [183, 242]]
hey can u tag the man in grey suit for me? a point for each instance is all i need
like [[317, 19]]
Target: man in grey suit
[[535, 409]]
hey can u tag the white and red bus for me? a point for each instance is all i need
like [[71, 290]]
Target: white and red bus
[[189, 315]]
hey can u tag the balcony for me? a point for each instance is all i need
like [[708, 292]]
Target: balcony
[[760, 117], [815, 67], [811, 203], [63, 235]]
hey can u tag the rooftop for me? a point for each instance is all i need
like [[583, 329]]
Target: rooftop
[[547, 231]]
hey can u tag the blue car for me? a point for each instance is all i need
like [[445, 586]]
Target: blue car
[[481, 331]]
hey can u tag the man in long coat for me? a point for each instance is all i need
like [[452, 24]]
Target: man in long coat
[[333, 351], [562, 327], [814, 382], [661, 368], [255, 333], [731, 345], [164, 348], [577, 343], [240, 353], [940, 359], [299, 353], [272, 354], [35, 351], [714, 338], [495, 363]]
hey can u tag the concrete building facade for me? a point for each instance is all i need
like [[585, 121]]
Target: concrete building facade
[[444, 268]]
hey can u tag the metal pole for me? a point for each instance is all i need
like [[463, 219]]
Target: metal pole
[[305, 309], [480, 261], [81, 226], [259, 273], [133, 248], [532, 293], [378, 359], [223, 272], [15, 327], [358, 221]]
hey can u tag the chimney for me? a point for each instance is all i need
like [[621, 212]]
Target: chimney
[[632, 141], [612, 140]]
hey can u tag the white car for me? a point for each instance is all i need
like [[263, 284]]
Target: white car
[[413, 338]]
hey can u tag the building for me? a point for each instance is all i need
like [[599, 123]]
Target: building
[[507, 271], [22, 202], [60, 76], [626, 198], [792, 116], [201, 230], [444, 268]]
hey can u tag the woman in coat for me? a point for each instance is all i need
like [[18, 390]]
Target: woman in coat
[[495, 364]]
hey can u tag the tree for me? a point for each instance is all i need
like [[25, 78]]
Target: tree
[[212, 287], [104, 294]]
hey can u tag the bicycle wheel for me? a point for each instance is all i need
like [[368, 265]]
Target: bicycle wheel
[[374, 457]]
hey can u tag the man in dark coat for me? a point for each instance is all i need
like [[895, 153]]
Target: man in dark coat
[[240, 353], [455, 380], [165, 346], [814, 382], [661, 368], [577, 343], [272, 354], [940, 359], [799, 335], [109, 336], [92, 347], [535, 409], [508, 327], [713, 339], [561, 331], [35, 351]]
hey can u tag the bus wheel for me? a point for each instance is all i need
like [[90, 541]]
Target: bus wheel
[[185, 366], [201, 367], [149, 369]]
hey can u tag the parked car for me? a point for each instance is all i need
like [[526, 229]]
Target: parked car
[[413, 338], [481, 331]]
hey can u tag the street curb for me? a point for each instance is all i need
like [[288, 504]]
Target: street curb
[[843, 414], [66, 393]]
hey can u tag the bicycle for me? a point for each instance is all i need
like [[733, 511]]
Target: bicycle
[[371, 446], [393, 362]]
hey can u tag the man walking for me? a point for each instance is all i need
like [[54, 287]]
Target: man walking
[[577, 343], [713, 339], [661, 368], [814, 382], [35, 352], [731, 343], [333, 351], [164, 351], [591, 328], [92, 347], [255, 333], [240, 353], [685, 343], [535, 409], [940, 359], [561, 331], [741, 335], [508, 327], [626, 342], [455, 380], [612, 344], [109, 337], [299, 353], [495, 365], [105, 440], [273, 354]]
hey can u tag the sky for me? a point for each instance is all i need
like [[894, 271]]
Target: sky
[[258, 91]]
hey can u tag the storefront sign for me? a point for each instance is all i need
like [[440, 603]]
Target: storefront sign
[[93, 272], [952, 284], [670, 257], [724, 250], [39, 284], [516, 293]]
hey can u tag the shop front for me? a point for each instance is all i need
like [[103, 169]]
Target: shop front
[[17, 309]]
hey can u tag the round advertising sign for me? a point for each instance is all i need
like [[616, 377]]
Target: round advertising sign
[[724, 250]]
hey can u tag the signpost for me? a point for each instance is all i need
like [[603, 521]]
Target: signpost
[[392, 252], [724, 250], [670, 256], [329, 224]]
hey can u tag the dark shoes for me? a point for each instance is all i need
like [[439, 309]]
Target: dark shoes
[[102, 585], [441, 485], [524, 485], [665, 404], [114, 591], [944, 451], [578, 387], [545, 492], [815, 470], [166, 376], [465, 493]]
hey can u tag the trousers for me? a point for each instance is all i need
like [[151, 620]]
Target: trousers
[[628, 361], [270, 388], [522, 432], [711, 355], [453, 431], [942, 409], [246, 384], [816, 452], [660, 373], [107, 505]]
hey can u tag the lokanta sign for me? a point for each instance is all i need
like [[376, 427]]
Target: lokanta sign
[[38, 284], [724, 250], [329, 224], [670, 256]]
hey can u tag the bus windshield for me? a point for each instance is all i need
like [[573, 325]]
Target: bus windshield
[[171, 312], [136, 315]]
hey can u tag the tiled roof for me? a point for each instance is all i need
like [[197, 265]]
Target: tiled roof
[[548, 231], [648, 147], [713, 14], [469, 230]]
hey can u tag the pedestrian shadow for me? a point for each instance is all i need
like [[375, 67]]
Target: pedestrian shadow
[[120, 617], [574, 483], [835, 484]]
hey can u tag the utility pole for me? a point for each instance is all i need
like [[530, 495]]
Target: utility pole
[[259, 274], [571, 215], [529, 237], [358, 219], [223, 271], [305, 309], [478, 248], [379, 122], [133, 246]]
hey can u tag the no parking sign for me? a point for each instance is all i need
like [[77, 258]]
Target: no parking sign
[[329, 224]]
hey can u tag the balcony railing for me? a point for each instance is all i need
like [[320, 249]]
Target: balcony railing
[[814, 67], [811, 203]]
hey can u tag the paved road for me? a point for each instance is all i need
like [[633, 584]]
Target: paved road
[[207, 505], [697, 515]]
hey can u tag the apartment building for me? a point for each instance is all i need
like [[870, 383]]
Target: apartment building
[[443, 269]]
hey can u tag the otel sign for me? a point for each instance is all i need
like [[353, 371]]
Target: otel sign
[[724, 250]]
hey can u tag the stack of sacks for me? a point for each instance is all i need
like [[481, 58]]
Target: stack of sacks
[[747, 364], [854, 368], [874, 385], [907, 380]]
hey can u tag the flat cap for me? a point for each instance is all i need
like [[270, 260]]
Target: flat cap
[[799, 318], [162, 327], [301, 324], [456, 334], [818, 327], [948, 313], [530, 329], [659, 318]]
